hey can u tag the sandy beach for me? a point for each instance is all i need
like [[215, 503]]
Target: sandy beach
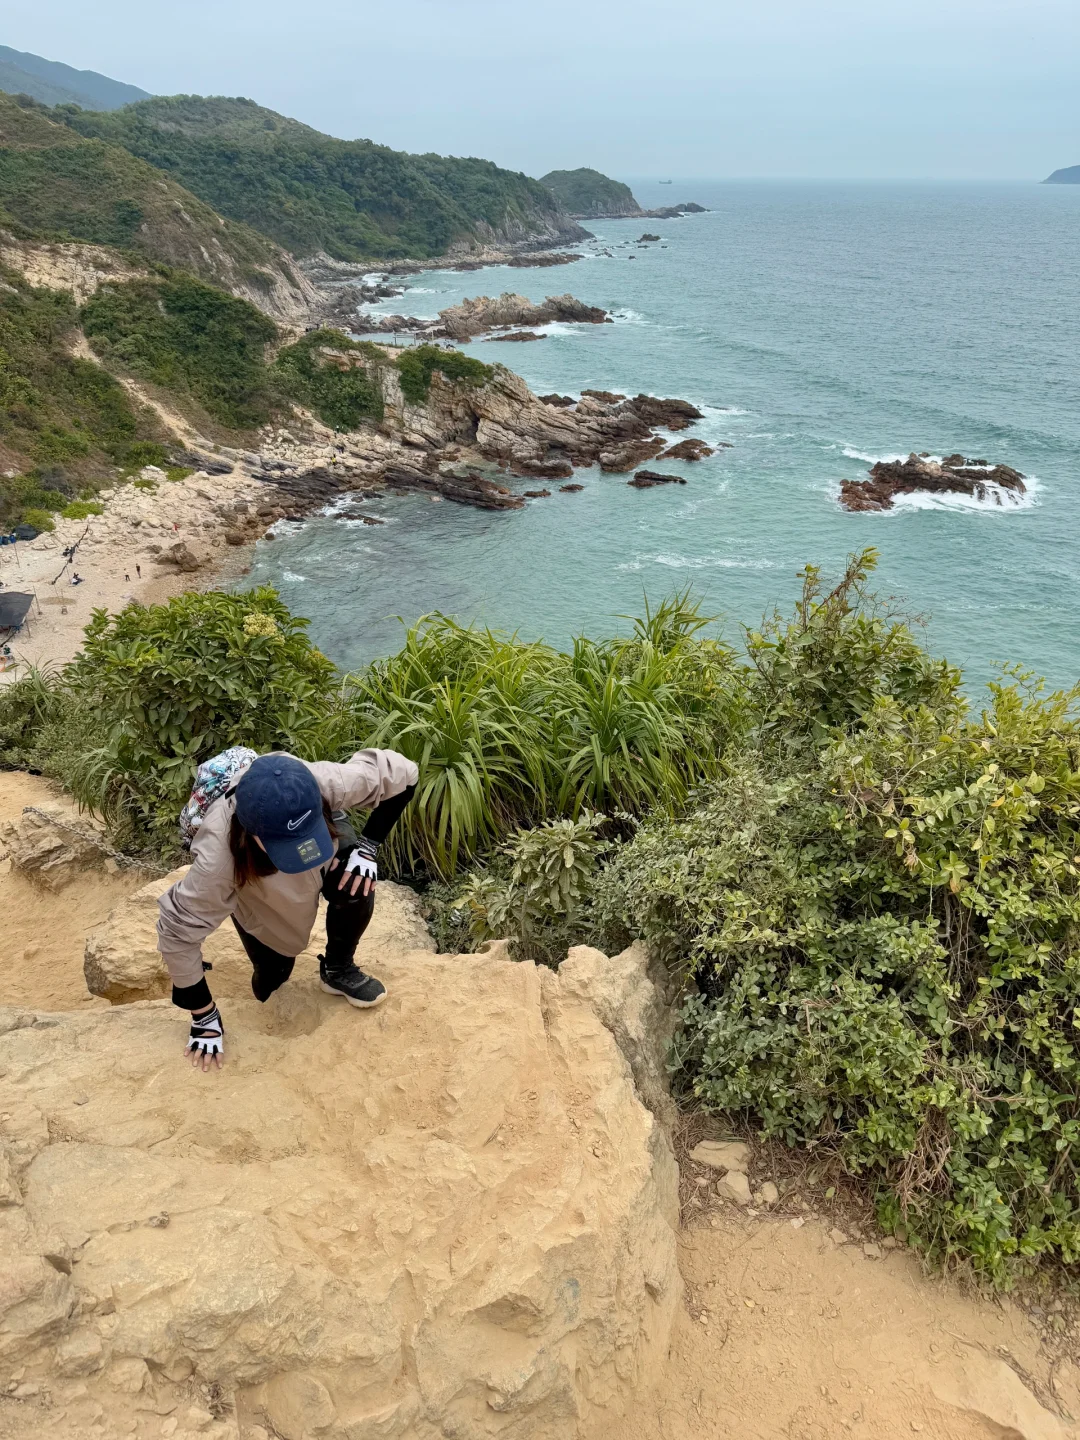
[[127, 553]]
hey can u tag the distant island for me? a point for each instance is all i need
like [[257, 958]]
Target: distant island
[[55, 84], [1069, 176], [588, 195]]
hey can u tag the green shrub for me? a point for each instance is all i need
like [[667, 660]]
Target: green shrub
[[334, 376], [175, 473], [82, 510], [40, 519], [144, 484], [179, 333], [881, 913], [27, 705], [537, 896], [173, 684], [417, 365]]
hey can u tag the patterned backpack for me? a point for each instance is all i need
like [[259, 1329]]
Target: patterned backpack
[[214, 777]]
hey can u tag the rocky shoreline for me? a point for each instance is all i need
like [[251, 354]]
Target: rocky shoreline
[[465, 445]]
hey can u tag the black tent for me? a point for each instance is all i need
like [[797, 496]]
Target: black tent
[[14, 609]]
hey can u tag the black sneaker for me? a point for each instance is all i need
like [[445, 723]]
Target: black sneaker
[[359, 989]]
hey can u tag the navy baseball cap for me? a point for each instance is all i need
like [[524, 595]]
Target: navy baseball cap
[[278, 800]]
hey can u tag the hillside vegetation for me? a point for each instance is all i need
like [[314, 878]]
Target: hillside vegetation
[[871, 893], [22, 73], [352, 199], [56, 185], [588, 195], [65, 423]]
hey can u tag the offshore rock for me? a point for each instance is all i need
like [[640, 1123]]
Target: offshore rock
[[542, 261], [919, 474], [474, 317], [451, 1216], [688, 450], [645, 479]]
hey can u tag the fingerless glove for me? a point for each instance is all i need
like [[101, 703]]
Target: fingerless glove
[[364, 859], [207, 1035]]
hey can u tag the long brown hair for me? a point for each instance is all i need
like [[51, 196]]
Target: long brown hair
[[250, 860]]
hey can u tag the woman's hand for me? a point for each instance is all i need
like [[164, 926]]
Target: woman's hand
[[206, 1039], [361, 870]]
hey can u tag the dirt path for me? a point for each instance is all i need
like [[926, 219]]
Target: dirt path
[[785, 1333], [788, 1336]]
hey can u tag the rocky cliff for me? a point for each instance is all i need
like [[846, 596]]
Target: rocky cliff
[[449, 1217]]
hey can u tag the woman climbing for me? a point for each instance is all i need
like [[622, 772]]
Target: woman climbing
[[262, 854]]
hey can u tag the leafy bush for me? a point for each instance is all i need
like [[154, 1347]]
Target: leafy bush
[[180, 333], [82, 510], [39, 519], [172, 684], [27, 705], [882, 926], [417, 365], [331, 374], [538, 896]]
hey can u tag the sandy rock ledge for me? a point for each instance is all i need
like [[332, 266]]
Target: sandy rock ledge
[[449, 1217]]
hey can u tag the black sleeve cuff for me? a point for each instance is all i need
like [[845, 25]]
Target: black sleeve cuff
[[192, 997], [385, 816]]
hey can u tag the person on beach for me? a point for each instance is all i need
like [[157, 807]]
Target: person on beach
[[263, 853]]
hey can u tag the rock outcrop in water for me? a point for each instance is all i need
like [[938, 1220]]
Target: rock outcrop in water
[[510, 311], [450, 1217], [919, 474]]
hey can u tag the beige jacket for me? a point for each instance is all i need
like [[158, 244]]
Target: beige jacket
[[279, 910]]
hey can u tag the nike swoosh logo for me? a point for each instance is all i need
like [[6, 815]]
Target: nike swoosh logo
[[294, 824]]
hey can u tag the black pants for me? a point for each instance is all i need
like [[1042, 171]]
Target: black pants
[[347, 916]]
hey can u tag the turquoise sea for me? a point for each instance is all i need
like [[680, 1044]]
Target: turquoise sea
[[819, 326]]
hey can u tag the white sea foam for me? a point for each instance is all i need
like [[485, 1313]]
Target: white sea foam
[[292, 577], [626, 316], [853, 454], [696, 562], [996, 501], [351, 524]]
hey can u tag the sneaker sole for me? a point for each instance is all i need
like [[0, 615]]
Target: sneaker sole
[[360, 1004]]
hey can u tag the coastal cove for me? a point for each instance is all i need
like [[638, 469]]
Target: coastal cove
[[819, 327]]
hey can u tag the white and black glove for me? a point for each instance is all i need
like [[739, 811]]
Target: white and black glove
[[362, 867], [206, 1040]]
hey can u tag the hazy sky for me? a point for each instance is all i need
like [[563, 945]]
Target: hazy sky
[[922, 88]]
